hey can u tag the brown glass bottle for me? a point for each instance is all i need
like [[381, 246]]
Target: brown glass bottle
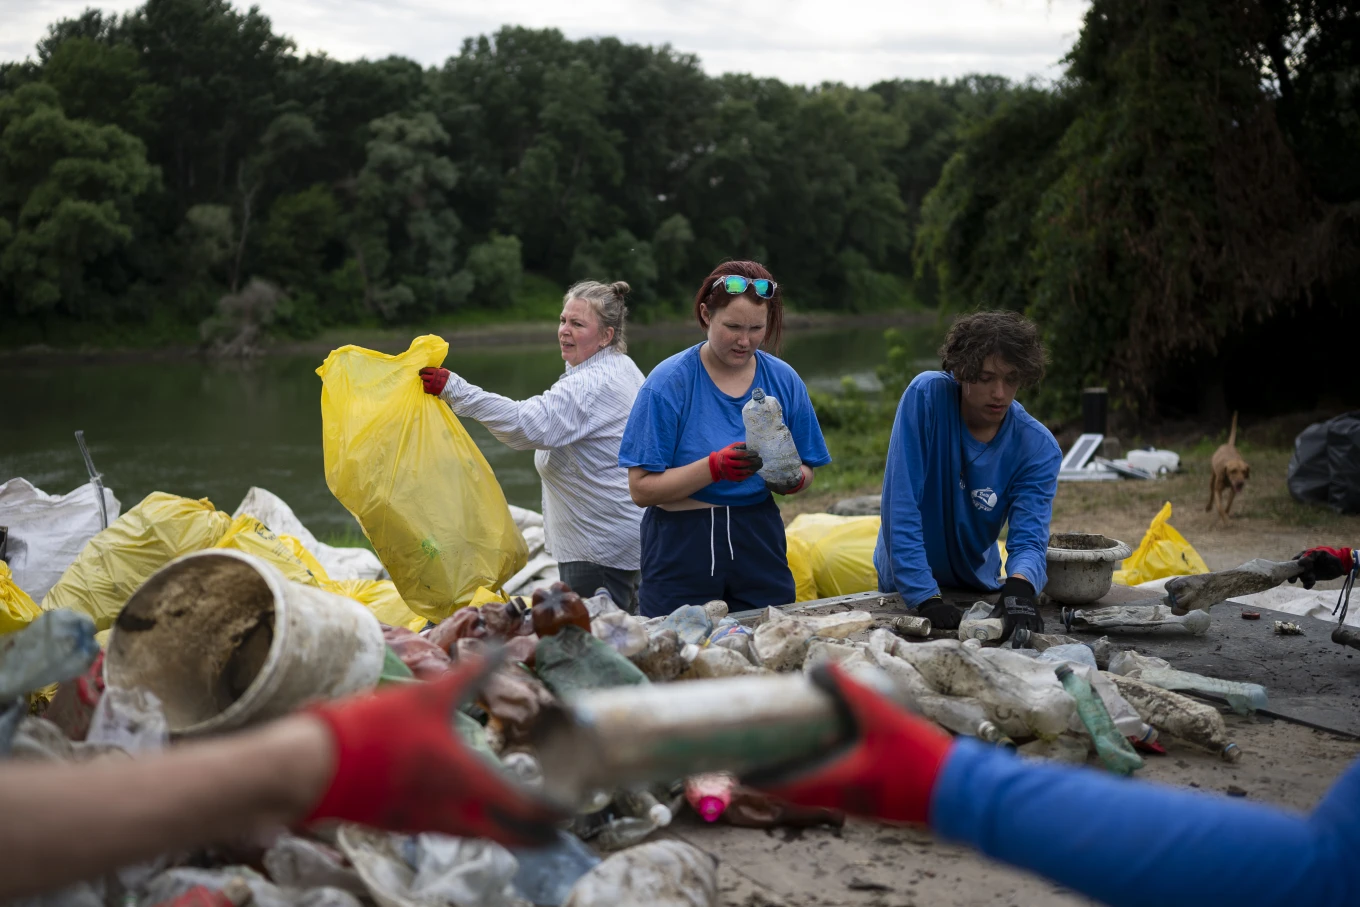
[[556, 607]]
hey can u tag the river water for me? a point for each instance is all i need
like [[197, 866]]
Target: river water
[[212, 429]]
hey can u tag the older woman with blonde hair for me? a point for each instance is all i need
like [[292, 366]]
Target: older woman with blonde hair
[[590, 520]]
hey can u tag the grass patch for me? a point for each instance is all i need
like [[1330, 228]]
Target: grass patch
[[346, 538]]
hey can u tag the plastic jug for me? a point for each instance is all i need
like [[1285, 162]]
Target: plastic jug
[[768, 436], [1114, 750], [978, 624]]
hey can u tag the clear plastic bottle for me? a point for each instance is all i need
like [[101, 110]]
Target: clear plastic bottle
[[1113, 748], [1243, 698], [768, 436], [1155, 621], [977, 624]]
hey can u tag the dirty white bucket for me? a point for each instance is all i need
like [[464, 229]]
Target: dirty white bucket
[[1081, 566], [224, 640]]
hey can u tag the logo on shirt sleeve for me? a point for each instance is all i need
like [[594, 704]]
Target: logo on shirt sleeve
[[984, 499]]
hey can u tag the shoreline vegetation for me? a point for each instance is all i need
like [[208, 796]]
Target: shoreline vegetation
[[537, 330]]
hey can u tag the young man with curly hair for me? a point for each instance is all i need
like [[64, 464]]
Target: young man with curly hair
[[964, 460]]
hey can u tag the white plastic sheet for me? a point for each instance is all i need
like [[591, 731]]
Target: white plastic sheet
[[47, 531], [340, 563]]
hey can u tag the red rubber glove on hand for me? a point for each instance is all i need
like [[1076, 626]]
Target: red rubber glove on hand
[[734, 463], [401, 767], [888, 770], [434, 379], [1321, 564]]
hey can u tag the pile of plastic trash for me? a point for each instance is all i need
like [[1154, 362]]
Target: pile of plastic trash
[[1057, 697]]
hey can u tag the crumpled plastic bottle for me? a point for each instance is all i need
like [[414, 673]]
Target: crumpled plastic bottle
[[768, 436], [130, 719], [56, 647]]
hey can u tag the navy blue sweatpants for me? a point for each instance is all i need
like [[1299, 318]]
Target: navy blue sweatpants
[[737, 554]]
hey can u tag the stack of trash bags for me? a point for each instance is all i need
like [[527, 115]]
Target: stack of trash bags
[[1061, 698]]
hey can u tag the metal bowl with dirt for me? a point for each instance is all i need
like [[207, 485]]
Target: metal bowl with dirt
[[1081, 566]]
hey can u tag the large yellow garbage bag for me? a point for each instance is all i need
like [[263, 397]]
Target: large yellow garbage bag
[[17, 609], [842, 551], [400, 461], [118, 560], [382, 598], [799, 556], [1162, 552], [249, 536]]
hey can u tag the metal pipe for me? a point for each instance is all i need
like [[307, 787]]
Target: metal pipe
[[95, 478]]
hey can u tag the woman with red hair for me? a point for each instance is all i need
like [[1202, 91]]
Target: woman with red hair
[[685, 451]]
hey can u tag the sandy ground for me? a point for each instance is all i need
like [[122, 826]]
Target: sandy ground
[[1283, 763], [880, 866]]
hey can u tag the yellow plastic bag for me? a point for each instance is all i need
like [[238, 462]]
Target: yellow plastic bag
[[249, 536], [17, 610], [799, 556], [140, 542], [1162, 552], [381, 597], [400, 461], [842, 551]]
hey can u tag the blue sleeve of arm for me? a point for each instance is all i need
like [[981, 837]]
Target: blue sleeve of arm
[[1144, 843], [903, 476], [806, 430], [649, 437], [1031, 514]]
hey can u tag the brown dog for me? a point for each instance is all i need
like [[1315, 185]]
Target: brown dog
[[1228, 474]]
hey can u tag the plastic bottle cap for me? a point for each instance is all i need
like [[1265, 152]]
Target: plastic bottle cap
[[711, 808], [660, 815], [1062, 671], [758, 394]]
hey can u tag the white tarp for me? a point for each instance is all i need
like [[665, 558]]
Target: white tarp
[[47, 531], [1291, 598], [340, 563]]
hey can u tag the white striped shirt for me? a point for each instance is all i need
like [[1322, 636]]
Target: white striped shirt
[[575, 427]]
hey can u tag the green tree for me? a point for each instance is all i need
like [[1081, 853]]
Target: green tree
[[400, 227], [67, 195], [497, 271]]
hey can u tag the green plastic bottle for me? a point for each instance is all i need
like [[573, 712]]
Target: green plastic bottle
[[573, 659], [1112, 747]]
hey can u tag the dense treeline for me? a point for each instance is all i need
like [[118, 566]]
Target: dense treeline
[[1182, 214], [1180, 204], [152, 163]]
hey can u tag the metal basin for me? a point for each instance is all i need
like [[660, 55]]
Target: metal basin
[[1081, 566]]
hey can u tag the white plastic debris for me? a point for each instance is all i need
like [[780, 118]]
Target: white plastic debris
[[47, 531], [340, 563]]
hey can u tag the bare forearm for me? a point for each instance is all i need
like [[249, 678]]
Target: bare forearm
[[190, 796], [675, 484]]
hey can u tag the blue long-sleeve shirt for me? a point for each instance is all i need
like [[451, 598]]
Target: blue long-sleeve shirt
[[1148, 844], [946, 496]]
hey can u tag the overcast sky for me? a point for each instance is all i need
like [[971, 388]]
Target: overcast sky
[[802, 41]]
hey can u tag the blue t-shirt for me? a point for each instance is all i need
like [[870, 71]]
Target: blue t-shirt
[[946, 496], [680, 416]]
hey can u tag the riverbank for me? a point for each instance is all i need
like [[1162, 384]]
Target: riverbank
[[507, 336]]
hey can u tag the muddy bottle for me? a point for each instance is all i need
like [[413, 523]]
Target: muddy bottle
[[768, 436], [557, 607], [1182, 716], [911, 626]]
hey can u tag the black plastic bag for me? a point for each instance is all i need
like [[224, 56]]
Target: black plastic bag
[[1343, 461], [1309, 473]]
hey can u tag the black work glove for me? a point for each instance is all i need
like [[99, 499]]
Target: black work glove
[[941, 614], [1018, 608], [1322, 564]]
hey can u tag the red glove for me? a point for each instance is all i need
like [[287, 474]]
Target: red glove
[[401, 767], [888, 770], [734, 463], [434, 379], [1321, 564]]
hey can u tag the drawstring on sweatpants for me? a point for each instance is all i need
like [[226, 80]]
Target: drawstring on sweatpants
[[713, 531]]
